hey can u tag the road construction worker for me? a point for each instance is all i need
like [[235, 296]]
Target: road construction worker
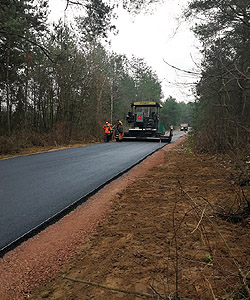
[[107, 132], [119, 128]]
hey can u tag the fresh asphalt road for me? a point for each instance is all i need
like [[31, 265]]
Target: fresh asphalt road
[[36, 187]]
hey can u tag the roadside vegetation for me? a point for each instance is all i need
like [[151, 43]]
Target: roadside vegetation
[[221, 120], [59, 84]]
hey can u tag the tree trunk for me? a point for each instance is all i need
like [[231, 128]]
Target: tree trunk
[[112, 103], [8, 90], [26, 87]]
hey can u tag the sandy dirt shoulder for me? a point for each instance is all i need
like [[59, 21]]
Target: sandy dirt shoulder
[[154, 230]]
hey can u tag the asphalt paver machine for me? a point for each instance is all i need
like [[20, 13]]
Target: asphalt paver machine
[[144, 121]]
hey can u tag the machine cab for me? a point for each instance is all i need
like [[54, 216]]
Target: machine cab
[[144, 115]]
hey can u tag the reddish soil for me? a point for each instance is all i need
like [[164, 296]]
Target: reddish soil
[[155, 230]]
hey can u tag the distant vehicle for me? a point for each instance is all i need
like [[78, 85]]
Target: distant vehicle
[[184, 127]]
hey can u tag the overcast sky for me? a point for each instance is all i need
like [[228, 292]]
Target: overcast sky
[[161, 35]]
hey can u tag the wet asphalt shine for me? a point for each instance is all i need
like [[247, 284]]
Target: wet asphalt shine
[[39, 189]]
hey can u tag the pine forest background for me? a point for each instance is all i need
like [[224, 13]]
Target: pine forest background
[[59, 84]]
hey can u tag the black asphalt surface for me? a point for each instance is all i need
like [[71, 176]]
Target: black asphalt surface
[[34, 188]]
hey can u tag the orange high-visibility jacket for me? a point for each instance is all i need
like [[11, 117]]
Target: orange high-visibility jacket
[[110, 126], [107, 128]]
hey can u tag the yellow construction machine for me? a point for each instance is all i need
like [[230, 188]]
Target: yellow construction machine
[[144, 121]]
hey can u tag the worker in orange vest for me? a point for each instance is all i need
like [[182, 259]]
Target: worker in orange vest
[[119, 128], [107, 132]]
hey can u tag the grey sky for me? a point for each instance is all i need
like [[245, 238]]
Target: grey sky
[[161, 35]]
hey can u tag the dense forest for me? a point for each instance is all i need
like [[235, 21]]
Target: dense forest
[[59, 83], [222, 112]]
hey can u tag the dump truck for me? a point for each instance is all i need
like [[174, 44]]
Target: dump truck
[[144, 121]]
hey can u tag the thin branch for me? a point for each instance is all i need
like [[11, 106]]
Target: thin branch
[[69, 2], [45, 51], [200, 219], [176, 252], [241, 273], [156, 292], [189, 72], [211, 289], [241, 73], [111, 288], [238, 124]]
